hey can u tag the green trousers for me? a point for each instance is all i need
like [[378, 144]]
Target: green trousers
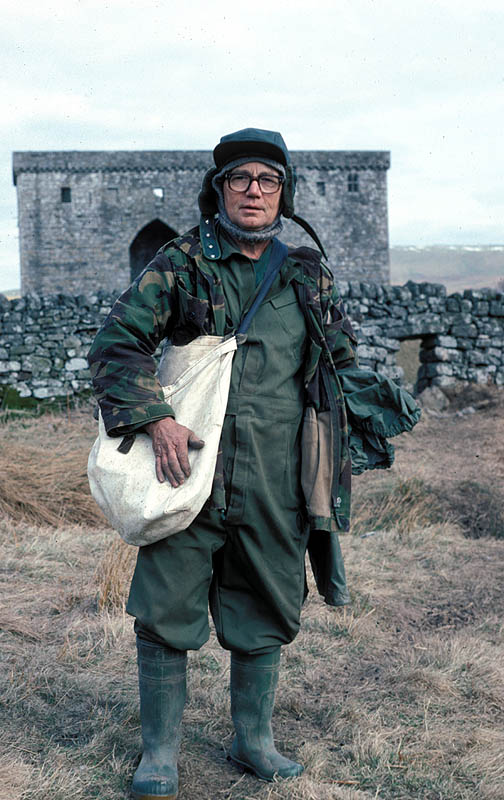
[[252, 578]]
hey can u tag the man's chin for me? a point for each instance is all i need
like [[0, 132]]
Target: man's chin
[[250, 225]]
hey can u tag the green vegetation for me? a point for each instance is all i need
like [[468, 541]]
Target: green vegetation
[[11, 401]]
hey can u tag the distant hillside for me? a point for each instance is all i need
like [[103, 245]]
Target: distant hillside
[[11, 294], [457, 267]]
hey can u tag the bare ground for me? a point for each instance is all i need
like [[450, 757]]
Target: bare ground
[[400, 695]]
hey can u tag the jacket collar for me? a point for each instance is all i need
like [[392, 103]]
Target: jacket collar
[[191, 244]]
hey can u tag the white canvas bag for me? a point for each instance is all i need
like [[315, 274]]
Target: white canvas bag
[[195, 380]]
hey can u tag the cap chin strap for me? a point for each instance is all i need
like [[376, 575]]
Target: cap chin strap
[[309, 230], [210, 243]]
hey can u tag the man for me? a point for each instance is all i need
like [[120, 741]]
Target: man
[[245, 552]]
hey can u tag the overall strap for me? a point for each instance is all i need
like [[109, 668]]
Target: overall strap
[[278, 255]]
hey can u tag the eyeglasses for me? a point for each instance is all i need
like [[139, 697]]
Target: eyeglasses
[[241, 181]]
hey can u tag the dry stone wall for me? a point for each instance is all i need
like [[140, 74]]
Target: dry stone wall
[[44, 342], [44, 339], [461, 335]]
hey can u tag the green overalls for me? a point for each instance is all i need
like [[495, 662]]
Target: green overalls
[[249, 564]]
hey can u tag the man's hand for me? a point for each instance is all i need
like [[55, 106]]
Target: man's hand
[[170, 442]]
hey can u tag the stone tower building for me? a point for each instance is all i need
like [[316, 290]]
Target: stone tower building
[[91, 220]]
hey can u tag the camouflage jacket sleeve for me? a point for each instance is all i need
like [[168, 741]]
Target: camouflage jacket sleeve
[[121, 360], [338, 331]]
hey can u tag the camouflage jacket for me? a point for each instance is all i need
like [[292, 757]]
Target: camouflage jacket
[[179, 297]]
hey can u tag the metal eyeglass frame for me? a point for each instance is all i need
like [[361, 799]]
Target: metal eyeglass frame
[[251, 179]]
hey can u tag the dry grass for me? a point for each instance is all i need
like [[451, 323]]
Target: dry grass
[[113, 575], [43, 463], [478, 509], [396, 502], [398, 696]]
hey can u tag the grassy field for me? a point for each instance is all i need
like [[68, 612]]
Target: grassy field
[[399, 696]]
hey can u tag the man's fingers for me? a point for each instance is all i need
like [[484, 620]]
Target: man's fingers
[[172, 456], [171, 478], [177, 465], [159, 470], [183, 459], [165, 469]]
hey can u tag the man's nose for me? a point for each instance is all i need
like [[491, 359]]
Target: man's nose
[[254, 188]]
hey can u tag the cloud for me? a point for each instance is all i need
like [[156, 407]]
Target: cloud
[[423, 79]]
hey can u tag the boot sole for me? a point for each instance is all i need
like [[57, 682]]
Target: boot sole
[[249, 768]]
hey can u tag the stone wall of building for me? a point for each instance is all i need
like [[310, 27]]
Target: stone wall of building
[[90, 220], [44, 339]]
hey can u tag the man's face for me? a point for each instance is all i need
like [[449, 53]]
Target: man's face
[[252, 209]]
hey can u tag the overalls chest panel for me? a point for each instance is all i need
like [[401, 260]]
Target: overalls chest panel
[[269, 364]]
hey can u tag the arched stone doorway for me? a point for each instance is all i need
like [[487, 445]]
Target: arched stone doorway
[[146, 243]]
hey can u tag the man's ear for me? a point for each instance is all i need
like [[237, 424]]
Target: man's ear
[[289, 187], [207, 199]]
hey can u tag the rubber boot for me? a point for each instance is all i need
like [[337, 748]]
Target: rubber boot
[[162, 682], [253, 683]]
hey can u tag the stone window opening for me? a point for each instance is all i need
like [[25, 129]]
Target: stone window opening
[[353, 182], [113, 194], [158, 192], [66, 194], [321, 188]]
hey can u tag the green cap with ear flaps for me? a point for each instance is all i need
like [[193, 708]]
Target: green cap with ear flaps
[[256, 143], [253, 142]]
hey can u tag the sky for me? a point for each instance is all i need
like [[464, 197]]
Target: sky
[[423, 79]]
